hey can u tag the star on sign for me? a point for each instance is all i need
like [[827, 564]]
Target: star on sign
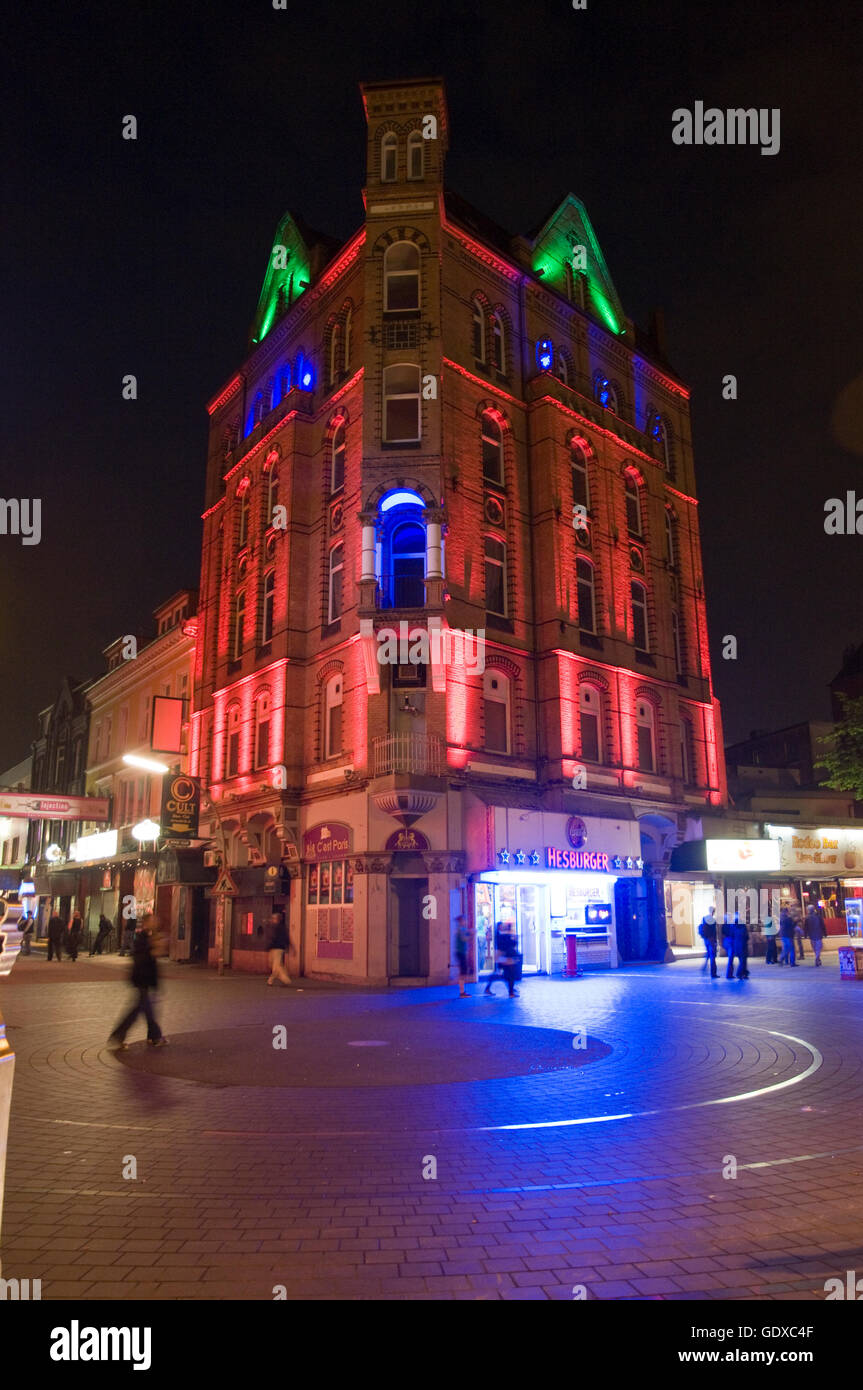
[[639, 863], [629, 861], [520, 856], [503, 856], [617, 862], [534, 858]]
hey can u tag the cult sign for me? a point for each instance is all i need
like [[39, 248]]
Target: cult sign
[[181, 801]]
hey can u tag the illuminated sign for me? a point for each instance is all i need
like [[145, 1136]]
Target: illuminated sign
[[99, 846], [597, 914], [591, 859], [32, 806], [739, 856], [181, 804]]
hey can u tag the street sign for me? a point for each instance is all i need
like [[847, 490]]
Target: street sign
[[224, 884]]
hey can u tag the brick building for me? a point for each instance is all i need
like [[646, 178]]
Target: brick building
[[443, 429]]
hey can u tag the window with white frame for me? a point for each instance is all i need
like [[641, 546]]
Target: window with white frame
[[495, 576], [243, 523], [496, 709], [498, 344], [239, 625], [349, 324], [268, 598], [389, 157], [272, 491], [670, 538], [416, 155], [492, 449], [336, 573], [645, 723], [633, 506], [335, 365], [640, 627], [333, 698], [578, 456], [590, 722], [678, 642], [401, 404], [401, 277], [586, 586], [337, 458], [232, 742], [479, 327], [262, 729]]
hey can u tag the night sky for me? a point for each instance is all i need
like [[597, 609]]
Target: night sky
[[148, 257]]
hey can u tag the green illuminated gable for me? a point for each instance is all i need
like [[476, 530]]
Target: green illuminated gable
[[288, 276], [568, 226]]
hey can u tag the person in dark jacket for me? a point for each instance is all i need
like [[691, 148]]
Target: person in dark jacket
[[707, 932], [56, 932], [463, 939], [786, 932], [511, 961], [740, 949], [500, 933], [816, 930], [278, 942], [74, 934], [144, 977], [102, 935], [25, 927]]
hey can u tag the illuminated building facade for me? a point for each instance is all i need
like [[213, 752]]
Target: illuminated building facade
[[452, 611]]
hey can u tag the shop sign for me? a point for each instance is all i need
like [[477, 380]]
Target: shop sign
[[328, 841], [581, 859], [100, 846], [596, 914], [741, 856], [834, 852], [181, 804], [576, 832], [32, 807]]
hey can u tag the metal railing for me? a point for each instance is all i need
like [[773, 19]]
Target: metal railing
[[401, 591], [422, 753]]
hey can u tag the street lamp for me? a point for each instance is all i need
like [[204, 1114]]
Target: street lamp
[[147, 830]]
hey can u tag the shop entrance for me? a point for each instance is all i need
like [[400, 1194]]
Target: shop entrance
[[522, 905], [408, 927]]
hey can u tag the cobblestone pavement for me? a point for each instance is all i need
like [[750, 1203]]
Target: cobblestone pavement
[[557, 1165]]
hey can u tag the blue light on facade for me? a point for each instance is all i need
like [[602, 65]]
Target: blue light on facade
[[544, 354]]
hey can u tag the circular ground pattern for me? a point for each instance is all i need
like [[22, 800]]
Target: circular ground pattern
[[406, 1048]]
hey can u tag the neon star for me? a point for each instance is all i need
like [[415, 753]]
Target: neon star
[[534, 858], [503, 856], [617, 862], [520, 856]]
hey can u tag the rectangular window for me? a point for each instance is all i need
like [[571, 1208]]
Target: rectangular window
[[262, 752], [495, 726], [334, 730], [589, 737], [233, 753], [495, 577], [645, 748]]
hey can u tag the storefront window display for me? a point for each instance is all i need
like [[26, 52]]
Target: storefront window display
[[329, 907]]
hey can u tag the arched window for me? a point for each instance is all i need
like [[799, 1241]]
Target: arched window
[[633, 506], [337, 459], [285, 380], [267, 606], [605, 393], [561, 368], [243, 519], [239, 625], [496, 708], [495, 576], [498, 344], [416, 154], [402, 404], [590, 723], [659, 432], [492, 449], [232, 742], [349, 324], [262, 729], [578, 454], [678, 641], [272, 491], [585, 583], [335, 361], [407, 545], [333, 696], [334, 591], [646, 735], [640, 628], [389, 157], [401, 277], [478, 330]]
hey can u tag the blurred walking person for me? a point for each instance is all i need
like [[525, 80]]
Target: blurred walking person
[[102, 935], [74, 934], [463, 937], [144, 977], [739, 949], [500, 933], [56, 932], [770, 931], [786, 932], [25, 927], [278, 942], [707, 932], [797, 919], [816, 930]]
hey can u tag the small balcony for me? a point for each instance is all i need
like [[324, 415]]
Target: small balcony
[[421, 754], [400, 591]]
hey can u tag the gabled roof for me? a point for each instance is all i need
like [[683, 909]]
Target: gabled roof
[[297, 251]]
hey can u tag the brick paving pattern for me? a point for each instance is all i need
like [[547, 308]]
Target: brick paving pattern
[[315, 1183]]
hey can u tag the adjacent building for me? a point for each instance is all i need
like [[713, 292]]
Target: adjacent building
[[452, 652]]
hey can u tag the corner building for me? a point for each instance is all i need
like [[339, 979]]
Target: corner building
[[442, 429]]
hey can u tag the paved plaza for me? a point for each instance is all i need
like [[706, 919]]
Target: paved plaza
[[409, 1144]]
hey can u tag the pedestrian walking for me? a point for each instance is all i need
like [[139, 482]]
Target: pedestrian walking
[[128, 937], [56, 932], [145, 979], [25, 927], [728, 940], [511, 964], [463, 938], [102, 935], [770, 931], [816, 930], [786, 932], [707, 932], [501, 932], [739, 950], [797, 919], [278, 942], [74, 934]]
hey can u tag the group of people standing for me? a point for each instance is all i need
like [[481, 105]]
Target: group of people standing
[[65, 936], [790, 931]]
